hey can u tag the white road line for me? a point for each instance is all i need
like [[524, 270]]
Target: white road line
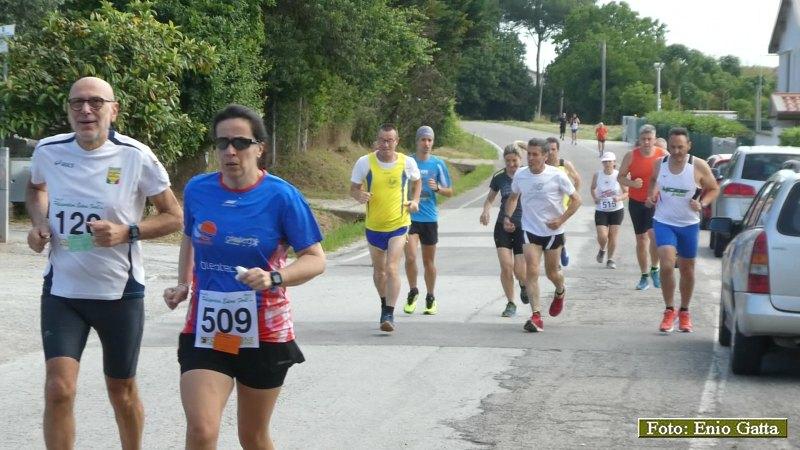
[[480, 197], [353, 258], [714, 387]]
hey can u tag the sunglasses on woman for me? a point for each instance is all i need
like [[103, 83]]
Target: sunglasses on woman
[[239, 143]]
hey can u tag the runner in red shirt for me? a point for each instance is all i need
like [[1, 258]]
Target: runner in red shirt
[[601, 131], [635, 172]]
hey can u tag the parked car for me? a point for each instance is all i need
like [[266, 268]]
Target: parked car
[[760, 293], [747, 170], [717, 163]]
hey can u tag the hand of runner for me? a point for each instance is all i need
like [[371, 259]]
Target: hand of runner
[[256, 279], [433, 184], [38, 237], [638, 183], [412, 206], [508, 224], [363, 197], [695, 205], [173, 296], [484, 218], [555, 224], [108, 234]]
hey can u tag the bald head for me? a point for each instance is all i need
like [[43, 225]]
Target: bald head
[[98, 85], [96, 111]]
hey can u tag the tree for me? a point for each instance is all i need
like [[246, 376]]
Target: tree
[[139, 56], [541, 19], [332, 58], [26, 14], [637, 99], [633, 45], [494, 81]]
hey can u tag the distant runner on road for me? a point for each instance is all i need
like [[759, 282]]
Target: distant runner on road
[[634, 173], [425, 222], [562, 125], [508, 243], [381, 179], [600, 132], [541, 188], [608, 196], [674, 187], [567, 167], [574, 123]]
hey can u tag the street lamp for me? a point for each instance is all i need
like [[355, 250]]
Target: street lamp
[[658, 66]]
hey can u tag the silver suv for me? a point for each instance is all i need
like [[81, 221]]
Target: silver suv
[[748, 169], [760, 294]]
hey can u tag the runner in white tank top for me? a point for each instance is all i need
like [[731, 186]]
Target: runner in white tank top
[[608, 195], [675, 193], [675, 190]]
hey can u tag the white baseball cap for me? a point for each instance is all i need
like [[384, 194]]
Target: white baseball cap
[[608, 156]]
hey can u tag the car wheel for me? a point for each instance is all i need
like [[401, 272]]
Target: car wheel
[[723, 333], [719, 246], [711, 239], [746, 352]]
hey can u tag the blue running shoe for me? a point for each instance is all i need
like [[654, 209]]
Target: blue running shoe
[[387, 322], [656, 276], [642, 284], [564, 257]]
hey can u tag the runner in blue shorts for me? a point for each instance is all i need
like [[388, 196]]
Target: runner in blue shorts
[[673, 188]]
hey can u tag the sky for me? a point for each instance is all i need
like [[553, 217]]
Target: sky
[[717, 28]]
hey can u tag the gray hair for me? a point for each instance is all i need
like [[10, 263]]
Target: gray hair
[[541, 143], [647, 128]]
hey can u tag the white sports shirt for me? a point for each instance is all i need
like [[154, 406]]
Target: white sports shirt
[[541, 197], [111, 182]]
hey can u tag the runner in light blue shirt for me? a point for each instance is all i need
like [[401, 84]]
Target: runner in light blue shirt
[[424, 223]]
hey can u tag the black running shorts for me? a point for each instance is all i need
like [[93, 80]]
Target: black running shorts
[[119, 324], [504, 239], [428, 232], [607, 218], [258, 368], [641, 216], [546, 242]]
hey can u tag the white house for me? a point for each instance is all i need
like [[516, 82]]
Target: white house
[[785, 42]]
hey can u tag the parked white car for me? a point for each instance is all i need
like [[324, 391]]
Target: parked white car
[[747, 171], [760, 295]]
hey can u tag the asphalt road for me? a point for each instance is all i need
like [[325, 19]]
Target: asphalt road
[[465, 378]]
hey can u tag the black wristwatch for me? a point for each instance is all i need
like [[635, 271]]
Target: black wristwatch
[[133, 233], [276, 278], [438, 188]]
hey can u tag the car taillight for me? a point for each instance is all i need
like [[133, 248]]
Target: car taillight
[[758, 277], [739, 190]]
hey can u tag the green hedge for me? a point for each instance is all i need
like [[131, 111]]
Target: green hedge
[[713, 125], [790, 136]]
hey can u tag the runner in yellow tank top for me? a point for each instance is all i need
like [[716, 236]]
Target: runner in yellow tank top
[[381, 180], [553, 159]]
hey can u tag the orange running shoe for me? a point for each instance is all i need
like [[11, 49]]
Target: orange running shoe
[[667, 324], [684, 322]]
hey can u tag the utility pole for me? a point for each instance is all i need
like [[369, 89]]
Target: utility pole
[[603, 91], [658, 66], [758, 100]]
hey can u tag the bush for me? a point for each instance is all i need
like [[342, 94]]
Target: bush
[[713, 125], [790, 136]]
